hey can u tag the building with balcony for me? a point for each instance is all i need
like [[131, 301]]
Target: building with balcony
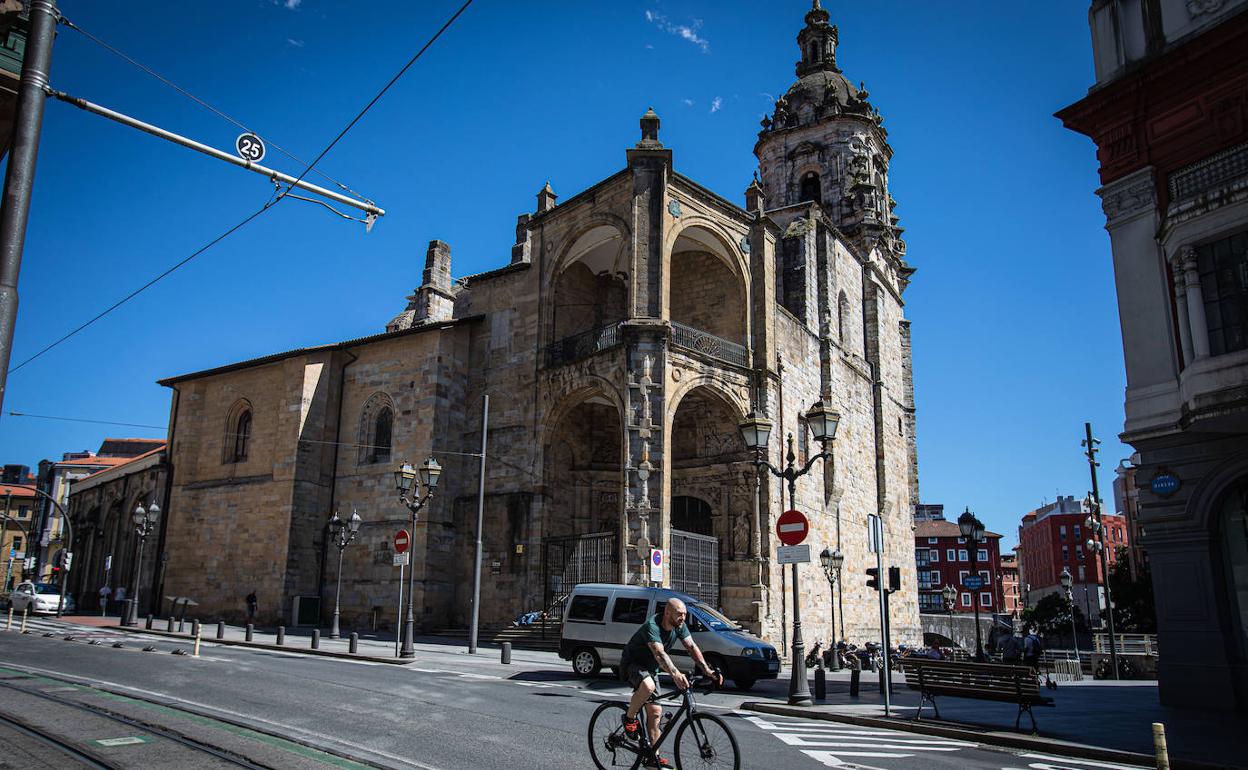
[[944, 558], [636, 324], [1011, 586], [1169, 115]]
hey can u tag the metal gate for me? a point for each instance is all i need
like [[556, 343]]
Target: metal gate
[[695, 566], [569, 561]]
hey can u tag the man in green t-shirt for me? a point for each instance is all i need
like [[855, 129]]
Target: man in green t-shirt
[[645, 653]]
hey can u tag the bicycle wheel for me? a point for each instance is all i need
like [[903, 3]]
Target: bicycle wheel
[[710, 744], [608, 744]]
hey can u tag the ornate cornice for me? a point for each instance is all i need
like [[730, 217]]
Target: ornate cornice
[[1128, 198], [1201, 7]]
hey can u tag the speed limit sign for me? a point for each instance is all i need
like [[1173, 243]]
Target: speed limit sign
[[249, 147]]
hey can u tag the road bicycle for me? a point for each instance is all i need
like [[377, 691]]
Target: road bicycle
[[702, 740]]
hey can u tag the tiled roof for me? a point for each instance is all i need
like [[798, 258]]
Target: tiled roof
[[942, 529], [127, 460], [17, 490], [100, 461]]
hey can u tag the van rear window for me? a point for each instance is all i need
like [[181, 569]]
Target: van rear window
[[629, 611], [587, 607]]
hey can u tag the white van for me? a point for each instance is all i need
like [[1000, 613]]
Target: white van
[[600, 618]]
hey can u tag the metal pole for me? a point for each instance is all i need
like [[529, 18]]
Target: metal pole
[[1100, 535], [333, 633], [979, 645], [409, 626], [132, 603], [1074, 638], [398, 617], [19, 180], [161, 133], [883, 589], [476, 569], [836, 653], [799, 688]]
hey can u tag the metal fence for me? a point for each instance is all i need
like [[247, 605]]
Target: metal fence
[[695, 566], [706, 343], [582, 345], [1127, 644], [570, 561]]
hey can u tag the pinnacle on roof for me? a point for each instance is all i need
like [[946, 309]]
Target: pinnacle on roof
[[650, 131]]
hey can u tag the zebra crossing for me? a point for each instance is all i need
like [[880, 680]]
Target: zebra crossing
[[834, 744]]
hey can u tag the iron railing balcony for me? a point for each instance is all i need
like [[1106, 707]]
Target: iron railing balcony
[[708, 344], [583, 345]]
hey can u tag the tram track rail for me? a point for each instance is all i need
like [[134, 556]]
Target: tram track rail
[[84, 757]]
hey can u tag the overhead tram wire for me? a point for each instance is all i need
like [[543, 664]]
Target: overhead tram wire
[[272, 202], [83, 419]]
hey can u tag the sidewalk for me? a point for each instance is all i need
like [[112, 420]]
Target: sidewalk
[[1112, 715]]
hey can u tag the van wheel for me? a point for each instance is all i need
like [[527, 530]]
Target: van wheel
[[585, 663]]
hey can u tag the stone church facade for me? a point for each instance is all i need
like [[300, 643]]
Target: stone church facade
[[636, 326]]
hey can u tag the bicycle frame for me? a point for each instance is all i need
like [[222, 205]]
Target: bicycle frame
[[686, 711]]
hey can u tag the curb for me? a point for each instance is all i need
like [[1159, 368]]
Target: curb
[[970, 733], [265, 646]]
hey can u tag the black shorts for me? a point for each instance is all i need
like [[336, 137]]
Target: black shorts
[[635, 675]]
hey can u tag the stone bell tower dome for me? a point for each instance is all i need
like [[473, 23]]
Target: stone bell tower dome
[[825, 143]]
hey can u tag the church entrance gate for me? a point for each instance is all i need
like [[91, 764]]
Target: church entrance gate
[[570, 561], [694, 562]]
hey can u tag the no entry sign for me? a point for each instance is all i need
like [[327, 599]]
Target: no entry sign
[[792, 527], [401, 541]]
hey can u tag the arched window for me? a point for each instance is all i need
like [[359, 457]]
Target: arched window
[[242, 435], [382, 428], [810, 188], [692, 514]]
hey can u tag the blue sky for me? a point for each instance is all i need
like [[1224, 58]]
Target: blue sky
[[1016, 337]]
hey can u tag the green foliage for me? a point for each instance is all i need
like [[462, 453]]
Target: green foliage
[[1051, 615], [1134, 611]]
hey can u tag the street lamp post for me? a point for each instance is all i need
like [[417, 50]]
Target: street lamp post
[[342, 532], [832, 562], [1096, 524], [404, 478], [1067, 582], [950, 595], [144, 523], [755, 430], [973, 530]]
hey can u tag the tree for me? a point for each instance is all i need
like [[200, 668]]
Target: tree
[[1134, 611], [1052, 615]]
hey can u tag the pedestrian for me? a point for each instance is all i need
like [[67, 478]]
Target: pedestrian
[[1012, 649], [251, 607], [1032, 648], [119, 600], [105, 594]]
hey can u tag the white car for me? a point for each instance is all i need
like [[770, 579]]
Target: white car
[[38, 597]]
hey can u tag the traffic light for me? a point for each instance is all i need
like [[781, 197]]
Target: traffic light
[[894, 579], [873, 578], [67, 560]]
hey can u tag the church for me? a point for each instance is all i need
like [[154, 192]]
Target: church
[[638, 324]]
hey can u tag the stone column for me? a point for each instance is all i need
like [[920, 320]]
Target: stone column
[[1180, 304], [1195, 303]]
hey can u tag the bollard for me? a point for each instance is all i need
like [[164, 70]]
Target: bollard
[[250, 631], [355, 643], [316, 639], [195, 650], [281, 635], [821, 684], [881, 672], [9, 625], [180, 622], [23, 628], [854, 674], [1159, 746], [169, 630], [194, 628], [507, 653], [149, 621], [220, 629]]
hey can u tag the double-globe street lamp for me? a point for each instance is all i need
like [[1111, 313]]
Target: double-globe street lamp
[[950, 595], [755, 430], [1096, 544], [1068, 583], [973, 530], [414, 496], [144, 524], [832, 561], [342, 532]]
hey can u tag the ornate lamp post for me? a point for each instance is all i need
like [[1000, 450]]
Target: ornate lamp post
[[1067, 583], [755, 431], [405, 477], [973, 530], [832, 562], [342, 532], [950, 595], [1096, 545], [144, 523]]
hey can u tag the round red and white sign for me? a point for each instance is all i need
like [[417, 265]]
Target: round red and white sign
[[792, 527], [401, 541]]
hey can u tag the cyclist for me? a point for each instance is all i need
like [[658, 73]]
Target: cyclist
[[646, 652]]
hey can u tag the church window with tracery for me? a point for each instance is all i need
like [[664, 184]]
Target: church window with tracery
[[810, 189]]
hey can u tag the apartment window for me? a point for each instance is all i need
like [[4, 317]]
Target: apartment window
[[961, 540], [1065, 553], [1078, 532], [934, 555], [985, 599], [951, 555], [1079, 552], [981, 554], [962, 576], [1062, 531], [23, 512], [984, 574], [930, 603], [963, 555], [17, 544], [966, 599], [1082, 574], [933, 540], [1223, 269]]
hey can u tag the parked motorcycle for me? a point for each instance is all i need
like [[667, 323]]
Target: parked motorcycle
[[813, 657]]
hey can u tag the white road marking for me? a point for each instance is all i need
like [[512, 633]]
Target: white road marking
[[1070, 763], [815, 738]]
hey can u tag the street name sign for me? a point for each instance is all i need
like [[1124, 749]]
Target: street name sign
[[656, 565], [973, 582], [401, 541], [792, 527], [793, 554]]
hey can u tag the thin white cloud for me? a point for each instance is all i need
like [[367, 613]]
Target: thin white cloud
[[292, 4], [716, 103], [684, 31], [290, 41], [687, 102]]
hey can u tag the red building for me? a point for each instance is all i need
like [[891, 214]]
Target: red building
[[944, 558], [1054, 537], [1011, 587]]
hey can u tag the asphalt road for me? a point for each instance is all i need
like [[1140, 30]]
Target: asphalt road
[[444, 712]]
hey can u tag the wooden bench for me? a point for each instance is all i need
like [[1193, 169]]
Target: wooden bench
[[982, 681]]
